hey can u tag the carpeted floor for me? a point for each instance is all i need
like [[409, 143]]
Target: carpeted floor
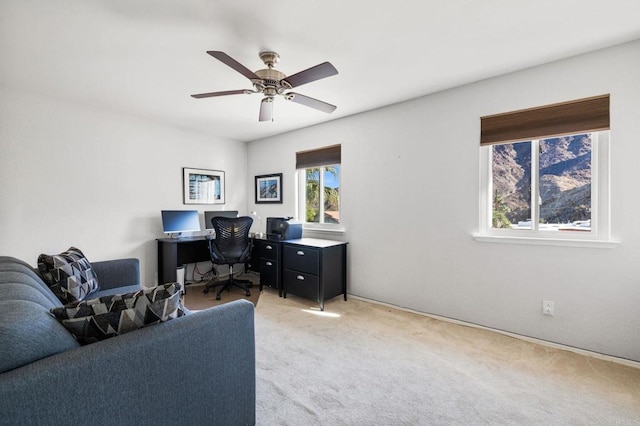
[[359, 363], [195, 299]]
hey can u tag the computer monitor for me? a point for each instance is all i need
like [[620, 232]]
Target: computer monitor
[[224, 213], [177, 221]]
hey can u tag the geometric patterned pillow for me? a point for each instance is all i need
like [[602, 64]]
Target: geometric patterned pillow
[[98, 319], [68, 275]]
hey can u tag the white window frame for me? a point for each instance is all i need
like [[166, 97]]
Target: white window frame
[[302, 202], [600, 235]]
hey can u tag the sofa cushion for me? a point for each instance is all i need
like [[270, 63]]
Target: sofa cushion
[[10, 281], [69, 275], [13, 270], [114, 291], [117, 273], [105, 317], [28, 333]]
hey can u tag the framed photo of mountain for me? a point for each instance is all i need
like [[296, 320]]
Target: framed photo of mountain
[[269, 188]]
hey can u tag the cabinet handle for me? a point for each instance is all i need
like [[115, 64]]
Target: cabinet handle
[[269, 264], [300, 277], [300, 253], [268, 247]]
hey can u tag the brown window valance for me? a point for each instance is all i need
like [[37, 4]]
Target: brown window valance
[[319, 157], [581, 115]]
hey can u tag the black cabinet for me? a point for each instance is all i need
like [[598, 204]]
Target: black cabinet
[[254, 260], [314, 269], [269, 253]]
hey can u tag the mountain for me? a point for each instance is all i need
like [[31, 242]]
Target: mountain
[[565, 179]]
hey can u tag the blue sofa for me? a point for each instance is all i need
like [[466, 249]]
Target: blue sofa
[[195, 369]]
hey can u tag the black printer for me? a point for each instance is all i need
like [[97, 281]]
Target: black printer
[[283, 228]]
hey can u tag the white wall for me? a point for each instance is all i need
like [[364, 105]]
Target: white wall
[[410, 202], [97, 180]]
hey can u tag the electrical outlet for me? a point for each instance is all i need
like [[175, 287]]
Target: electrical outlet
[[547, 307]]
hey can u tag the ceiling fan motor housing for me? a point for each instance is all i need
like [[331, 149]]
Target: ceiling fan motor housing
[[270, 81]]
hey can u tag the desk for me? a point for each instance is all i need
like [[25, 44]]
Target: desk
[[173, 252], [311, 268]]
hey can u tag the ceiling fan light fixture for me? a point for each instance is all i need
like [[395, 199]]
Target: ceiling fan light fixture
[[266, 109]]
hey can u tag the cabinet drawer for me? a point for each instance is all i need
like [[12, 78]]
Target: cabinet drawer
[[301, 259], [301, 284], [269, 273], [269, 250]]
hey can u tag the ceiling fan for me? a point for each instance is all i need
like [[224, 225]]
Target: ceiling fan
[[272, 82]]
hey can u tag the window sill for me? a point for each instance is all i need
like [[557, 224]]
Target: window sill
[[605, 244], [323, 230]]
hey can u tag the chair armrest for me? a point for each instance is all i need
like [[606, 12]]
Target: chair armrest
[[196, 369], [117, 273]]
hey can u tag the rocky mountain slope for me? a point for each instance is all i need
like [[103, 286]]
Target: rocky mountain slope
[[565, 179]]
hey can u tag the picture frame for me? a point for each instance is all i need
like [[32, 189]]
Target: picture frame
[[203, 186], [268, 189]]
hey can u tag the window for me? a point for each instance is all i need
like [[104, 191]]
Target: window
[[557, 172], [319, 187], [544, 174]]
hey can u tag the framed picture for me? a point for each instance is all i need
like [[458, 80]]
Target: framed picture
[[269, 188], [201, 186]]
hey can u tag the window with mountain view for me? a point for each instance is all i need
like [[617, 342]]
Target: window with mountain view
[[545, 175], [556, 172]]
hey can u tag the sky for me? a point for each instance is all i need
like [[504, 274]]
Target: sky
[[330, 180]]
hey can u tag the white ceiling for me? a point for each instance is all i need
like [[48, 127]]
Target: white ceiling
[[145, 57]]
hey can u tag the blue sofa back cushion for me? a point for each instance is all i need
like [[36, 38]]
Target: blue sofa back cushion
[[29, 333], [69, 275], [98, 319], [17, 272]]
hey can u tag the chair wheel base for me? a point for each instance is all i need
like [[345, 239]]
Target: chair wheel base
[[217, 297], [205, 291]]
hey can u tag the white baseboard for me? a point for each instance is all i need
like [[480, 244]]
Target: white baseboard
[[584, 352]]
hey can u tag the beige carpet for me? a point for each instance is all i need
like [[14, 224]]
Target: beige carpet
[[360, 363], [195, 299]]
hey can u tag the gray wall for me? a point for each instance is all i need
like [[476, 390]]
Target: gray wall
[[95, 179], [410, 192]]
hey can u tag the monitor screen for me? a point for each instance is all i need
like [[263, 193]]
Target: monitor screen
[[174, 221], [223, 213]]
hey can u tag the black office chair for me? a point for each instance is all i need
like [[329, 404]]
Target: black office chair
[[231, 245]]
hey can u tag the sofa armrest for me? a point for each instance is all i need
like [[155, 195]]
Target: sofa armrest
[[196, 369], [117, 273]]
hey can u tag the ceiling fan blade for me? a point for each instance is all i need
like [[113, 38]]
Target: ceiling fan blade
[[225, 93], [322, 70], [310, 102], [266, 109], [228, 60]]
